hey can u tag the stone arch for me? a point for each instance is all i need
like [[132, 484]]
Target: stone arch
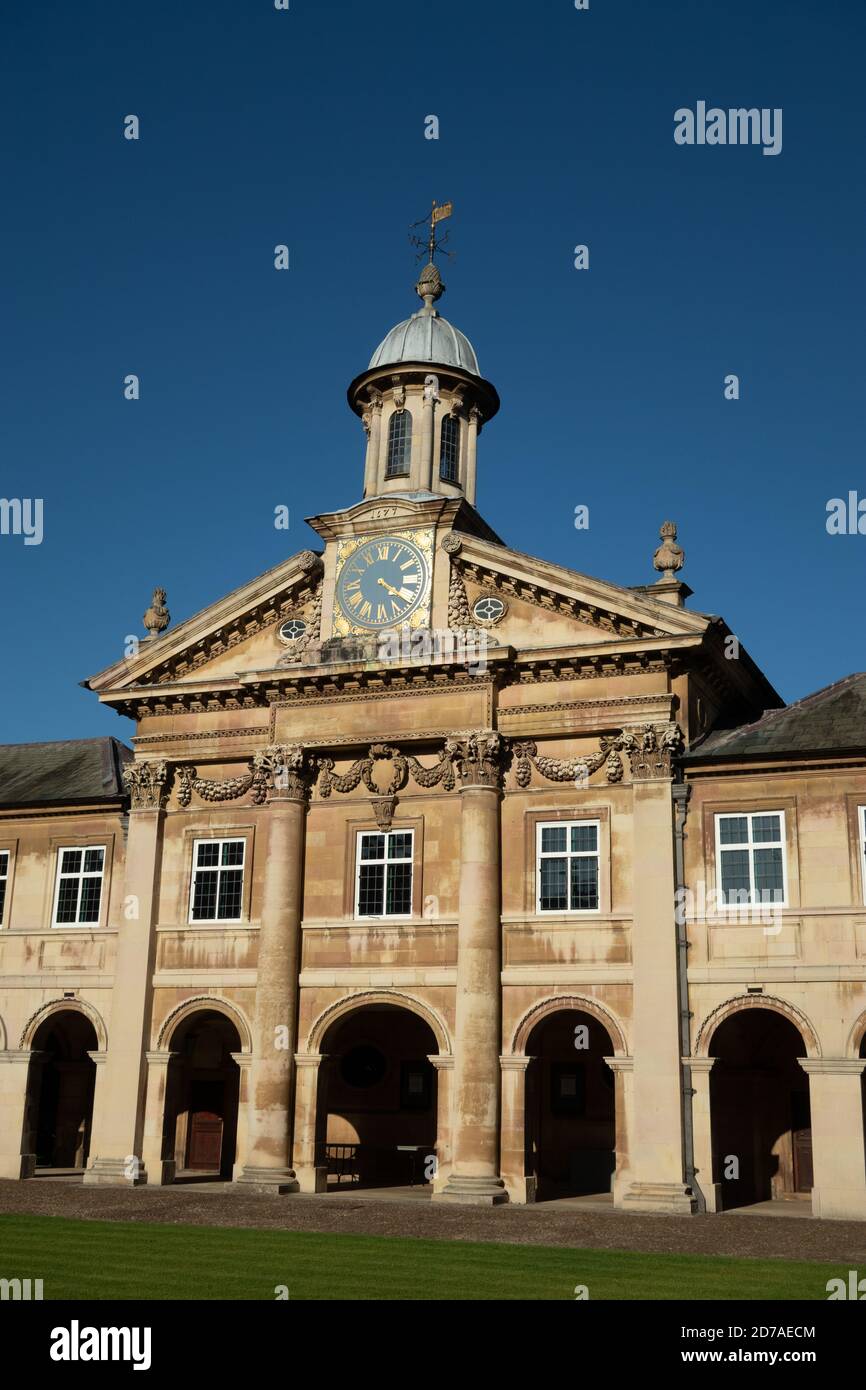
[[198, 1004], [351, 1002], [554, 1003], [756, 1001], [56, 1006], [855, 1037]]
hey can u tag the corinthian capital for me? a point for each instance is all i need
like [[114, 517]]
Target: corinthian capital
[[478, 756], [283, 770], [145, 782]]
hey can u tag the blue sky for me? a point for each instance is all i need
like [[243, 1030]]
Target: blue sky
[[306, 127]]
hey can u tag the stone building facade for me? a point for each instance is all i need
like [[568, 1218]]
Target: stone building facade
[[438, 863]]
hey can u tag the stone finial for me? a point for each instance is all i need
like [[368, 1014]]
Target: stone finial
[[157, 617], [430, 285], [669, 557]]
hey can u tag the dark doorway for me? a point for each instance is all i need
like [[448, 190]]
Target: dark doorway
[[201, 1108], [570, 1107], [376, 1114], [60, 1091], [759, 1097]]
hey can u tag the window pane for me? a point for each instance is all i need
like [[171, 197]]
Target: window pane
[[584, 884], [448, 449], [4, 861], [208, 852], [735, 876], [67, 900], [231, 885], [733, 830], [584, 837], [554, 838], [400, 846], [399, 444], [769, 884], [766, 828], [372, 846], [233, 852], [71, 861], [93, 859], [204, 896], [370, 890], [553, 896], [399, 896], [91, 892], [2, 896]]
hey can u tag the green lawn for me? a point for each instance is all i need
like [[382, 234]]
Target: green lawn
[[129, 1260]]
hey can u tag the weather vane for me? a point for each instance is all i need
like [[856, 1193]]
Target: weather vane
[[431, 244]]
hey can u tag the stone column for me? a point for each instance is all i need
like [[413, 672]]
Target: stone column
[[14, 1074], [244, 1062], [444, 1066], [475, 1175], [656, 1157], [702, 1123], [118, 1134], [311, 1178], [159, 1167], [472, 453], [513, 1129], [836, 1102], [427, 433], [372, 419], [623, 1072], [268, 1164]]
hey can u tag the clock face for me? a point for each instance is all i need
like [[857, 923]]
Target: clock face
[[382, 582]]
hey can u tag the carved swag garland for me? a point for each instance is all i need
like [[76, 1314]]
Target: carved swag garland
[[476, 758]]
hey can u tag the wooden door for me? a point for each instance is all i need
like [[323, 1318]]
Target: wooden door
[[204, 1150]]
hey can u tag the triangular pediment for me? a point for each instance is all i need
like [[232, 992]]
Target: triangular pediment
[[547, 604], [239, 632]]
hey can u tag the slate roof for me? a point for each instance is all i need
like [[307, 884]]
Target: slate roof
[[79, 769], [833, 720]]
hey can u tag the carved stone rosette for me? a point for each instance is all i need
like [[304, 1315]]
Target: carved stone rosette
[[146, 784], [479, 757]]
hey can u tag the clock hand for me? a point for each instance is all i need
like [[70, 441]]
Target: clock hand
[[389, 587]]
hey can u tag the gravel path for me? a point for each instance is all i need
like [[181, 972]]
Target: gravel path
[[776, 1237]]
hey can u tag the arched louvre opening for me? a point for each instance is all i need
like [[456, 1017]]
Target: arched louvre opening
[[449, 450], [399, 444]]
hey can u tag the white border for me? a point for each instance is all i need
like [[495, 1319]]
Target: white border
[[569, 854], [61, 850], [384, 916], [216, 840], [750, 845]]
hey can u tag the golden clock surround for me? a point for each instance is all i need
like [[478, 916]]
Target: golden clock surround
[[342, 623]]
